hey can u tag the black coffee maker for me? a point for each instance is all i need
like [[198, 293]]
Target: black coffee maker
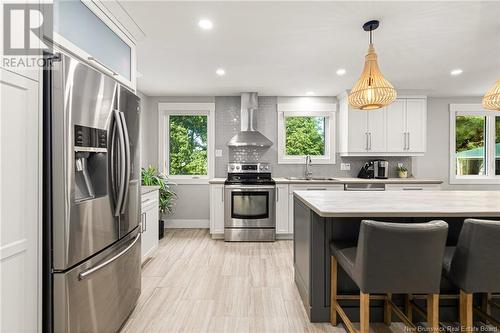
[[367, 171]]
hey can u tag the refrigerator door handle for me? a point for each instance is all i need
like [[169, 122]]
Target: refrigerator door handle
[[112, 162], [127, 160], [122, 184], [94, 269]]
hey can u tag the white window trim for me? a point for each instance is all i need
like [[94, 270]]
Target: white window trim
[[473, 110], [327, 110], [178, 109]]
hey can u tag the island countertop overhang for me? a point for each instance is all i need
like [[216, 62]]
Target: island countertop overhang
[[402, 203]]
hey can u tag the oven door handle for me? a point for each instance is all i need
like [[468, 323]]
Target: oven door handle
[[249, 188]]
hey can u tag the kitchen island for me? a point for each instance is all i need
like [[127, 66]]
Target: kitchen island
[[323, 216]]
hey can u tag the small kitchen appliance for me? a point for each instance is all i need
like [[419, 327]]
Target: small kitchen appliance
[[381, 169], [367, 171], [249, 203]]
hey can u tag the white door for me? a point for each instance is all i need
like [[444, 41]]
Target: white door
[[416, 118], [20, 203], [377, 131], [282, 225], [396, 126], [358, 132], [217, 209]]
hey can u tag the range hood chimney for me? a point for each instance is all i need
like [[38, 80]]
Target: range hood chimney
[[248, 135]]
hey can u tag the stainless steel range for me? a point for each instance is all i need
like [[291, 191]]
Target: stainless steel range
[[249, 211]]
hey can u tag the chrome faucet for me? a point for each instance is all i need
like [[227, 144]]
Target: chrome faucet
[[308, 173]]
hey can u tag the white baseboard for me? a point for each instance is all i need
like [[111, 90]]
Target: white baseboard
[[187, 223]]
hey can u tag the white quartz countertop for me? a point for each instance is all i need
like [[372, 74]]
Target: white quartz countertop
[[343, 180], [352, 180], [147, 189], [217, 180], [402, 203]]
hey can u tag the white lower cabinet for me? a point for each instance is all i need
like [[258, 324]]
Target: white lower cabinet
[[20, 204], [282, 225], [216, 209], [315, 187], [413, 187], [149, 223]]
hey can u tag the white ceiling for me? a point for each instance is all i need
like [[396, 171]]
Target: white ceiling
[[289, 48]]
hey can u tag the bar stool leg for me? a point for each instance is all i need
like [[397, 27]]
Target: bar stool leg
[[433, 312], [465, 311], [388, 310], [408, 309], [364, 312], [485, 303], [333, 291]]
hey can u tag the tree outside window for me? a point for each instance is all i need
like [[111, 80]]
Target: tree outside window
[[305, 136], [188, 145]]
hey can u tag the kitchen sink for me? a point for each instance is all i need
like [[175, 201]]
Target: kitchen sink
[[312, 178]]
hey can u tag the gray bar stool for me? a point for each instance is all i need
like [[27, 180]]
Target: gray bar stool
[[474, 267], [390, 258]]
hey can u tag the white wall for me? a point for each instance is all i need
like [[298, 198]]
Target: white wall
[[186, 214], [435, 163]]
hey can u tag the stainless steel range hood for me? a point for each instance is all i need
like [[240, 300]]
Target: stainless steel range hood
[[248, 135]]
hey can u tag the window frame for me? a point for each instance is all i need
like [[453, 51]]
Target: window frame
[[327, 110], [489, 138], [165, 110]]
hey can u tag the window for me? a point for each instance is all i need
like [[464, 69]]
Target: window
[[474, 144], [186, 141], [306, 129]]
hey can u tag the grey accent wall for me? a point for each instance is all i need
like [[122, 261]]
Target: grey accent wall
[[227, 110], [435, 163], [188, 194]]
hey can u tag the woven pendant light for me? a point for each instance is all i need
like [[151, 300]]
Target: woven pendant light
[[491, 99], [372, 91]]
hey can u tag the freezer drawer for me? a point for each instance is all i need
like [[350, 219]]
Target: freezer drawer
[[99, 295]]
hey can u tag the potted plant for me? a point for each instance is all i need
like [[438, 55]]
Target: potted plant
[[402, 171], [152, 177]]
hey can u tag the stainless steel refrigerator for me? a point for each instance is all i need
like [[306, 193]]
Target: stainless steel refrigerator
[[91, 199]]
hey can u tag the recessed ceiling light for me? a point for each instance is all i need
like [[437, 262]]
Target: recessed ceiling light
[[341, 71], [220, 72], [310, 93], [457, 71], [205, 24]]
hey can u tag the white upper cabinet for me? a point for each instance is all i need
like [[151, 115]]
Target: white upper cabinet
[[416, 125], [82, 28], [396, 122], [398, 130]]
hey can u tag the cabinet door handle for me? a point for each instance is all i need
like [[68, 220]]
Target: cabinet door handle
[[370, 140], [317, 189], [223, 195], [408, 140], [366, 140], [413, 188], [277, 194]]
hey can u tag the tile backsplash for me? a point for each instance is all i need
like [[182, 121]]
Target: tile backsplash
[[227, 122]]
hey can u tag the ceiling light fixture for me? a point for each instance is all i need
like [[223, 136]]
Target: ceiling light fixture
[[310, 93], [371, 91], [205, 24], [341, 71], [220, 72], [491, 100], [456, 72]]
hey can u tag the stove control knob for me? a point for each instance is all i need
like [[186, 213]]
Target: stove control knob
[[261, 167], [232, 167], [267, 167], [237, 167]]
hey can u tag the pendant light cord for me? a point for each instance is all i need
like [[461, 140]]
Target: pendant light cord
[[371, 36]]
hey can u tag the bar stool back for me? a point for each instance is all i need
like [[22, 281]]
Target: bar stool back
[[474, 266], [391, 258]]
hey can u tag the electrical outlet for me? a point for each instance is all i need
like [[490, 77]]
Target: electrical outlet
[[400, 164], [218, 152], [345, 166]]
